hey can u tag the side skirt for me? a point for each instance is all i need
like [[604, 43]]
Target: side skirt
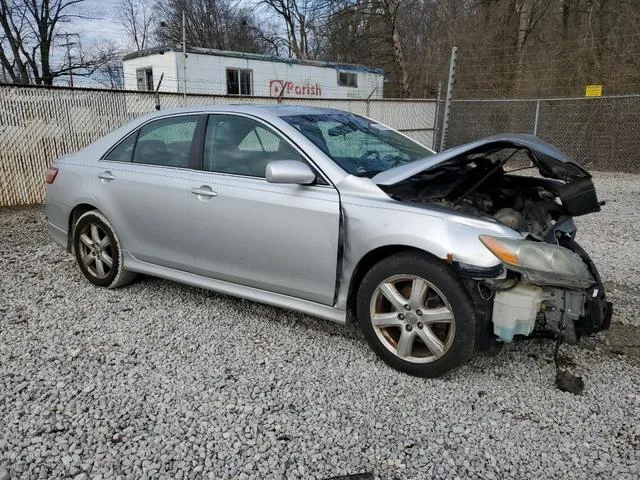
[[261, 296]]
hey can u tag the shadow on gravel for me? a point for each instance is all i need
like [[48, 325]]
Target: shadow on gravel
[[357, 476], [622, 341], [251, 308]]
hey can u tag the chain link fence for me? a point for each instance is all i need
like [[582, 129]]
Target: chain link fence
[[600, 133], [39, 124]]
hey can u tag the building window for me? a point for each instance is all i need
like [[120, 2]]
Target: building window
[[239, 81], [347, 79], [145, 79]]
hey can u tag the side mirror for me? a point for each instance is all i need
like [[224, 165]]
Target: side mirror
[[290, 171]]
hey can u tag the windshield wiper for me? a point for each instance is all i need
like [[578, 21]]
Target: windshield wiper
[[368, 173]]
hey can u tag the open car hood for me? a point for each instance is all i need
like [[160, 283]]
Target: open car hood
[[551, 162]]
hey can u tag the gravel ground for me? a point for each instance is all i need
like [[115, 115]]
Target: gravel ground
[[612, 238], [160, 380]]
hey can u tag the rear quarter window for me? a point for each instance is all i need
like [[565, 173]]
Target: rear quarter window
[[124, 150]]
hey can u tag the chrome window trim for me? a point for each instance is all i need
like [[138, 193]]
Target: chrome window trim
[[249, 177]]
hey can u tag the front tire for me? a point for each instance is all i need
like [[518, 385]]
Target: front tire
[[416, 314], [99, 252]]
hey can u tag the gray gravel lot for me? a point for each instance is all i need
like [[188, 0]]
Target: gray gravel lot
[[612, 238], [163, 380]]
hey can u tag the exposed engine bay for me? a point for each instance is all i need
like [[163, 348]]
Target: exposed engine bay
[[479, 185]]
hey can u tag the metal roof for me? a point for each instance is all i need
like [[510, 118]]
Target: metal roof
[[257, 109], [254, 56]]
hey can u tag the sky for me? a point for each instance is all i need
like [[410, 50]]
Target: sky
[[98, 24], [102, 24]]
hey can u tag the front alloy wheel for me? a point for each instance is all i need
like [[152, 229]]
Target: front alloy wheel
[[412, 318], [416, 314]]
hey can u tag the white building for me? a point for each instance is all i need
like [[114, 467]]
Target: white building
[[234, 73]]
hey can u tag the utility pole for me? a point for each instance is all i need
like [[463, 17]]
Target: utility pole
[[69, 44], [184, 55]]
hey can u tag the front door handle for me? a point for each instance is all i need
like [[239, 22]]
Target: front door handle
[[108, 176], [204, 191]]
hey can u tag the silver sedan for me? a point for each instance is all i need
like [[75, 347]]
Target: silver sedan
[[434, 256]]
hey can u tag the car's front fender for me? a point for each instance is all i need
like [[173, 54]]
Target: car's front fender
[[369, 226]]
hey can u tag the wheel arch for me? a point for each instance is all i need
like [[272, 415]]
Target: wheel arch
[[74, 215], [365, 264]]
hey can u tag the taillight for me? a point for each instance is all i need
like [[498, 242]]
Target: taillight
[[52, 173]]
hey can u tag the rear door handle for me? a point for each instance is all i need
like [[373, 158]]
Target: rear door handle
[[204, 191], [108, 176]]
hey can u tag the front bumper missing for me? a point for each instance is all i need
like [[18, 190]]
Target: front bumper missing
[[598, 313], [525, 308], [590, 312]]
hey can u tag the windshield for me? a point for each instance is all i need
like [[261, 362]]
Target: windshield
[[361, 147]]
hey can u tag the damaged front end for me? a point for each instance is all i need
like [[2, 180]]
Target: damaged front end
[[546, 283], [545, 289]]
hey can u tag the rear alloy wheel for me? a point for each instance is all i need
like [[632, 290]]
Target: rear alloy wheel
[[416, 314], [98, 251]]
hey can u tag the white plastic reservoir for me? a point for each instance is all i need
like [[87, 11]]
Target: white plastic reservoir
[[515, 311]]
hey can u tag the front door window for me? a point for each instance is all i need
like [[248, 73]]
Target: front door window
[[242, 146]]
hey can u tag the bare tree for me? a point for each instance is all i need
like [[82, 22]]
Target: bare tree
[[506, 47], [29, 29], [390, 9], [137, 18], [303, 20], [110, 74], [211, 24], [268, 35], [369, 32]]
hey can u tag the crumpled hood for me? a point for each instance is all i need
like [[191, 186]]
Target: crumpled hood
[[551, 162]]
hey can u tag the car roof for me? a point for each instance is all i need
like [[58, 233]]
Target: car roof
[[256, 109]]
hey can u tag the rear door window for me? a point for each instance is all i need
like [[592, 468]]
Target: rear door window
[[124, 150], [166, 142]]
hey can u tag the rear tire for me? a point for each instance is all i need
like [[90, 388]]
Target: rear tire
[[428, 327], [99, 252]]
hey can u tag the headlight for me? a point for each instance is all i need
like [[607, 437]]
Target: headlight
[[540, 263]]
